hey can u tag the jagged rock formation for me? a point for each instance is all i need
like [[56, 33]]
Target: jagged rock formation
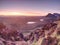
[[54, 36]]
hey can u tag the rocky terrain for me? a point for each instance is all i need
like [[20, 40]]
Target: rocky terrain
[[36, 30]]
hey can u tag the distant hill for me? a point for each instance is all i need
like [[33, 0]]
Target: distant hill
[[54, 16]]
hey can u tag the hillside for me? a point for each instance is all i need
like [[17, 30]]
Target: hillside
[[54, 34]]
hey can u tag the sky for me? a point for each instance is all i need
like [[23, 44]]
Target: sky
[[29, 7]]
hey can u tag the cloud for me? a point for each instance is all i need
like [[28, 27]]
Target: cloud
[[22, 13]]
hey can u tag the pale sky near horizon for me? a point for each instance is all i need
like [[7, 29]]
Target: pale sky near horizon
[[29, 7]]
